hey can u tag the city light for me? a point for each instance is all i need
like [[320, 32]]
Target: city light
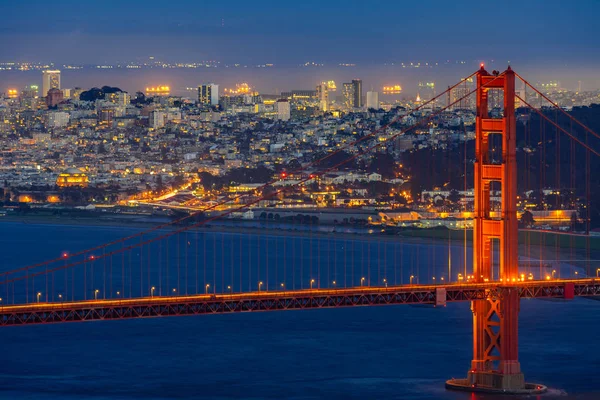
[[392, 89], [158, 90]]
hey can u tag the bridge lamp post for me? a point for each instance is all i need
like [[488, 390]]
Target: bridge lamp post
[[411, 278], [230, 290], [576, 274], [205, 288], [334, 283], [152, 289], [283, 286], [259, 285], [597, 271], [433, 279], [362, 280], [385, 282], [554, 273], [96, 294], [38, 296], [311, 283], [442, 278], [118, 294]]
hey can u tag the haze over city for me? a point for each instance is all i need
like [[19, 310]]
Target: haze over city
[[366, 34]]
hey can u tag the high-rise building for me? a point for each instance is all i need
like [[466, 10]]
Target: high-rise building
[[323, 95], [352, 92], [348, 92], [50, 80], [460, 96], [372, 100], [427, 90], [282, 107], [358, 103], [208, 94]]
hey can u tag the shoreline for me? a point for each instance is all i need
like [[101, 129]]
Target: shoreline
[[414, 236]]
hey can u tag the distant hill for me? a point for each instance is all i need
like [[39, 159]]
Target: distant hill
[[98, 93]]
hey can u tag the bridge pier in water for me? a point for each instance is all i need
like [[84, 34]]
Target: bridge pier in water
[[495, 366]]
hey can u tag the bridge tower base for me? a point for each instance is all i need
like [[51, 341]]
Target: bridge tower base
[[495, 366]]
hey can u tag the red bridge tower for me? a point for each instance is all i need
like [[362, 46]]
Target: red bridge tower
[[495, 365]]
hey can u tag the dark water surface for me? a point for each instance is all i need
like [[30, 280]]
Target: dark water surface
[[393, 352]]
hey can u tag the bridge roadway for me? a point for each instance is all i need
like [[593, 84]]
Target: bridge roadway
[[162, 306]]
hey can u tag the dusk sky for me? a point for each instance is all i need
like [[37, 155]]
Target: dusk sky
[[294, 32]]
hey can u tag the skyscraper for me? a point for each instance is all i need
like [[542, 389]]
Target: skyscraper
[[208, 94], [323, 95], [460, 96], [358, 103], [352, 92], [50, 80], [348, 92], [372, 100], [427, 90]]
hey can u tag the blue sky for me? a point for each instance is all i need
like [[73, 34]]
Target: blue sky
[[293, 32]]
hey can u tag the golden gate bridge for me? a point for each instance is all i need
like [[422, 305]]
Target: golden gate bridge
[[166, 270]]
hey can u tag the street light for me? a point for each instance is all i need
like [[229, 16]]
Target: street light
[[362, 280], [118, 294], [230, 289], [554, 273], [174, 292], [96, 294], [311, 283], [152, 291], [334, 283], [385, 282], [433, 279], [59, 297], [38, 296], [442, 278], [597, 271], [576, 273], [206, 288], [411, 278], [259, 285]]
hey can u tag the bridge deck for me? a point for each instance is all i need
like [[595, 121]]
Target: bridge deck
[[160, 306]]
